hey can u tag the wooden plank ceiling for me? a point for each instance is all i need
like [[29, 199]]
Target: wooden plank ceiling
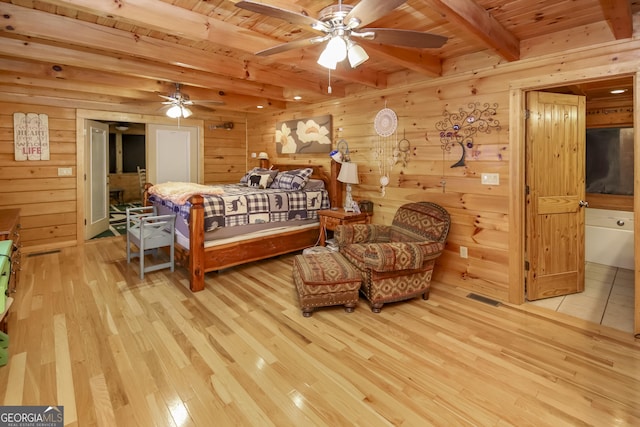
[[121, 54]]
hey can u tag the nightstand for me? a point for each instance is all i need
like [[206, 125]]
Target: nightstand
[[330, 219]]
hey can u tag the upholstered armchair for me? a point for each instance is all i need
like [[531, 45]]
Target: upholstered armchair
[[396, 261]]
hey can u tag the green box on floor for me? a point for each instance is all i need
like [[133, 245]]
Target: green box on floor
[[5, 271]]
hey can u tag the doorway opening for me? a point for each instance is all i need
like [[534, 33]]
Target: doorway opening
[[608, 296], [126, 157]]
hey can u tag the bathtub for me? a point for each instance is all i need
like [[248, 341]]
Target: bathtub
[[609, 237]]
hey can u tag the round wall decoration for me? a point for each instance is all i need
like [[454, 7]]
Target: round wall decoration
[[386, 122]]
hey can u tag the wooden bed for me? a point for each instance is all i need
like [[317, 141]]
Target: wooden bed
[[201, 259]]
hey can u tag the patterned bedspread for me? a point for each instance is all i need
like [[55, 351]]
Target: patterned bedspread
[[242, 205]]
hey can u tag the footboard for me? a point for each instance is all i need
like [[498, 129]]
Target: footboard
[[201, 259]]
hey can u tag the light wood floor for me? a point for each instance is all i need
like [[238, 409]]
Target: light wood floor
[[86, 333]]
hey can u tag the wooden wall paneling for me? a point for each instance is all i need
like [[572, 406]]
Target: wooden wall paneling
[[225, 151], [129, 182], [47, 201], [419, 106]]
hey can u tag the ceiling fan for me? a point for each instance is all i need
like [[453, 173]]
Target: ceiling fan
[[341, 23], [179, 103]]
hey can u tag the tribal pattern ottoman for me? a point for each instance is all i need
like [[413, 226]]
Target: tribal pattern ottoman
[[325, 279]]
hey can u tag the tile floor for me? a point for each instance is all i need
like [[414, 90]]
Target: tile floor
[[607, 299]]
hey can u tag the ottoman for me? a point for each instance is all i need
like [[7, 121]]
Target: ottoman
[[324, 279]]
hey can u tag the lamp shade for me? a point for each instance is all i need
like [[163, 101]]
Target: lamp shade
[[326, 60], [263, 156], [349, 173], [334, 52], [174, 111], [186, 112], [356, 55], [338, 48]]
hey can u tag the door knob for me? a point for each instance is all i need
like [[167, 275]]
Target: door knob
[[583, 204]]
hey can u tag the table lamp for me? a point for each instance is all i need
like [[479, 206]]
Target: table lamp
[[349, 175]]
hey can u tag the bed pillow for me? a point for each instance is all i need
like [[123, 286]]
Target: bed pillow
[[245, 178], [314, 184], [292, 180], [261, 180]]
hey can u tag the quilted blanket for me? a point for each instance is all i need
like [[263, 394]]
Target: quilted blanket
[[179, 192], [239, 204]]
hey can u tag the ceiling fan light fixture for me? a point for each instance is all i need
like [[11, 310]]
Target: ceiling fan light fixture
[[326, 60], [174, 111], [334, 52], [356, 54], [337, 48], [186, 112]]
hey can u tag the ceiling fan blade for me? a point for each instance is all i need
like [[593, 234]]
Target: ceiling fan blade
[[367, 11], [408, 38], [202, 107], [276, 12], [298, 44], [168, 98], [199, 102]]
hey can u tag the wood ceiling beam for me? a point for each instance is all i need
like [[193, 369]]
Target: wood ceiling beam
[[35, 51], [619, 17], [175, 20], [90, 82], [33, 23], [188, 24], [472, 17], [13, 94], [415, 60]]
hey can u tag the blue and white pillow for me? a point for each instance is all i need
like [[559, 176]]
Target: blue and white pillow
[[292, 180], [260, 180], [271, 172]]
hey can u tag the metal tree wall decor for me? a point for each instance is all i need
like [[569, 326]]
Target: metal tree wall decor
[[459, 128]]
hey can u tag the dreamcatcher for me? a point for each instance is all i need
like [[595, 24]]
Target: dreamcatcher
[[385, 124], [401, 152]]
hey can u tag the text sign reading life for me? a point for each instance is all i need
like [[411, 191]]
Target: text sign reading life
[[31, 136]]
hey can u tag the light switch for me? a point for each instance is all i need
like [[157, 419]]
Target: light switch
[[65, 171], [490, 178], [464, 253]]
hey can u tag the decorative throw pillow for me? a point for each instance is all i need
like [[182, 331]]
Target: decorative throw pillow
[[245, 178], [314, 184], [260, 180], [293, 179]]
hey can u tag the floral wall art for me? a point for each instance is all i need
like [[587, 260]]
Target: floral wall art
[[310, 135]]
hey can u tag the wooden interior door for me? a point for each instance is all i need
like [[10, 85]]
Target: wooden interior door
[[555, 162], [97, 179]]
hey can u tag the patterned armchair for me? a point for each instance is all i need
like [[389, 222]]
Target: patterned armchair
[[396, 261]]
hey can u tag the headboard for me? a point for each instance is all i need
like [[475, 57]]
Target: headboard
[[333, 186]]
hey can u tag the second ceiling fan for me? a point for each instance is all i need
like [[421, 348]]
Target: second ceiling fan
[[179, 103], [341, 24]]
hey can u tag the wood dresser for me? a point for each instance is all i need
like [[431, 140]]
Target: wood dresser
[[10, 230]]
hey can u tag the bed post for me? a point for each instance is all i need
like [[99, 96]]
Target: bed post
[[145, 194], [196, 244]]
